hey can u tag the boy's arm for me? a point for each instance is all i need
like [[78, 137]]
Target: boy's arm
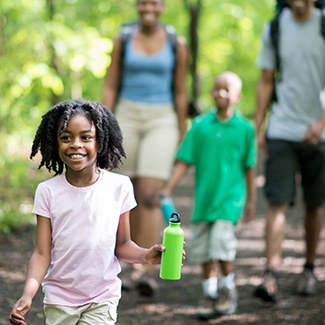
[[251, 194], [37, 268], [129, 251], [180, 169]]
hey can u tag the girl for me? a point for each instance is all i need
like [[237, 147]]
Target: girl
[[82, 218], [145, 84]]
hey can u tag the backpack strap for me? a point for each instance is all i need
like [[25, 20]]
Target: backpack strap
[[275, 36], [126, 31]]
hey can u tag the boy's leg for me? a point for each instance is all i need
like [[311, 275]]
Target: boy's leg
[[199, 254], [225, 248], [210, 280]]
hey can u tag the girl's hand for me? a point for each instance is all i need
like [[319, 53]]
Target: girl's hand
[[153, 255], [19, 309]]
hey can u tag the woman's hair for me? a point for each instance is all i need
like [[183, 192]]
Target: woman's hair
[[108, 134]]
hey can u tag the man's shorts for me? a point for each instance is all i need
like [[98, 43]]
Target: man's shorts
[[285, 159], [90, 314], [150, 138], [212, 241]]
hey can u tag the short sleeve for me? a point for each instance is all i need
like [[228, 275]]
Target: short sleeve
[[266, 56], [129, 201], [42, 201], [186, 150]]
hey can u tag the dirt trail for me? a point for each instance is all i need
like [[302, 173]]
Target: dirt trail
[[176, 301]]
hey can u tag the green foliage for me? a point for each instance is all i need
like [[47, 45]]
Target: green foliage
[[18, 179], [57, 50]]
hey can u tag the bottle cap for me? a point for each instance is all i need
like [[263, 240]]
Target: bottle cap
[[175, 218]]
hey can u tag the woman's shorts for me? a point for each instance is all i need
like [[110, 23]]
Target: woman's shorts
[[285, 159], [212, 241], [90, 314], [150, 137]]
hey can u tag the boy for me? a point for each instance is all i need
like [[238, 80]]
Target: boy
[[220, 145]]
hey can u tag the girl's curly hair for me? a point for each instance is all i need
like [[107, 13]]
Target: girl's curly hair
[[108, 132]]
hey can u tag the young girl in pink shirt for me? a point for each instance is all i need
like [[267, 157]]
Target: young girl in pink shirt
[[82, 218]]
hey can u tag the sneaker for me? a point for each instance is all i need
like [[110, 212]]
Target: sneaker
[[227, 302], [147, 286], [306, 284], [268, 289], [205, 309]]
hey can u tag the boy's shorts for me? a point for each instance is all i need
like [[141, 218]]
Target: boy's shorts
[[285, 159], [212, 241], [150, 138], [90, 314]]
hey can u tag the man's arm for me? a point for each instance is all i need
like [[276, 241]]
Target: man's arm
[[263, 98]]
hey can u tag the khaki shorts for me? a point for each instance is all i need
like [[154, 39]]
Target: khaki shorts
[[90, 314], [150, 137], [212, 241]]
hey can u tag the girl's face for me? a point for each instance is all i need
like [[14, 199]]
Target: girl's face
[[77, 145], [150, 11]]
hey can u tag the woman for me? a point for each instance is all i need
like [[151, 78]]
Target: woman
[[145, 84]]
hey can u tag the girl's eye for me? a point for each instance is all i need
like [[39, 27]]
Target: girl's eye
[[65, 138], [86, 137]]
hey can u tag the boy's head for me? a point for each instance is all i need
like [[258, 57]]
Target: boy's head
[[55, 121], [226, 90]]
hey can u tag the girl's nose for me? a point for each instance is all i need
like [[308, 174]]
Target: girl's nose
[[76, 143]]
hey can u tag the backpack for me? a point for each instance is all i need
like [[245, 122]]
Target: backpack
[[275, 34]]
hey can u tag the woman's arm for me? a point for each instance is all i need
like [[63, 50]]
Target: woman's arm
[[129, 251], [180, 94], [113, 76], [37, 268]]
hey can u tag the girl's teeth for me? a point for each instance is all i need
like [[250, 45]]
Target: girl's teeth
[[76, 156]]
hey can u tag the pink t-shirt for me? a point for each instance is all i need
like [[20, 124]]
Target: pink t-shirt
[[84, 222]]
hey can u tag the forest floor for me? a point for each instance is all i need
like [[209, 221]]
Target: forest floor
[[176, 301]]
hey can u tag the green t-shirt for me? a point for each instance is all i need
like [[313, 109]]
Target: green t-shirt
[[220, 152]]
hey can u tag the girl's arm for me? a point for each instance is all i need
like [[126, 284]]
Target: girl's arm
[[251, 195], [113, 76], [129, 251], [37, 268], [180, 95]]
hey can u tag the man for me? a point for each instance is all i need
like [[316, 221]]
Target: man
[[295, 137]]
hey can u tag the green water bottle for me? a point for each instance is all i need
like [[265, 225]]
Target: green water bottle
[[172, 256]]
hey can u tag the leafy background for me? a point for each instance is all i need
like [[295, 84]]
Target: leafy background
[[57, 50]]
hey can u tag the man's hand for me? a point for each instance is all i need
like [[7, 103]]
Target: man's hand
[[314, 133]]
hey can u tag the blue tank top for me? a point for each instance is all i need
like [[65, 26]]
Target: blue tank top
[[147, 78]]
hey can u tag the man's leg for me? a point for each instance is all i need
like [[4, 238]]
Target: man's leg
[[313, 225], [275, 227], [306, 284], [274, 234]]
